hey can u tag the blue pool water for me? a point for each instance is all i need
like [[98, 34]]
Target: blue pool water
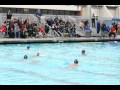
[[101, 65]]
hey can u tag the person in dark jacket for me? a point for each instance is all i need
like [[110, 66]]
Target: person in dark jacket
[[9, 15], [103, 28], [98, 27], [47, 28], [93, 20]]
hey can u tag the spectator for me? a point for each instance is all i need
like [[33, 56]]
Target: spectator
[[47, 28], [93, 20], [103, 28], [82, 25], [9, 15], [86, 23], [113, 23], [112, 32], [30, 29], [87, 28], [38, 15], [98, 27], [42, 30], [35, 23], [11, 33], [118, 29], [17, 31], [53, 28]]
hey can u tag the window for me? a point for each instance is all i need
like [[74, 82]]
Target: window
[[44, 11], [32, 11], [56, 12], [26, 10], [5, 10], [13, 10], [50, 12], [62, 12], [72, 12], [1, 10], [67, 12], [19, 10]]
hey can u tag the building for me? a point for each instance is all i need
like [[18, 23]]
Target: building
[[76, 10], [45, 9]]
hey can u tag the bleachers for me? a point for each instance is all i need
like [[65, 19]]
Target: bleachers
[[74, 19], [24, 16]]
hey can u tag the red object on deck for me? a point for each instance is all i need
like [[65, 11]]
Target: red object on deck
[[3, 28], [23, 27], [42, 29]]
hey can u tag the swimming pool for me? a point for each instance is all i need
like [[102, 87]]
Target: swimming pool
[[101, 65]]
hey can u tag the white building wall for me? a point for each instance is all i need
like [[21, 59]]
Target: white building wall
[[104, 12], [87, 10], [112, 11], [55, 7], [96, 10], [117, 12]]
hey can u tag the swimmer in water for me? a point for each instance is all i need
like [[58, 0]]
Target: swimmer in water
[[75, 64], [38, 54], [28, 47], [25, 57], [83, 52]]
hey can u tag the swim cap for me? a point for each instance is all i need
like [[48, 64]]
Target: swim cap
[[83, 51], [76, 61], [28, 47], [25, 57]]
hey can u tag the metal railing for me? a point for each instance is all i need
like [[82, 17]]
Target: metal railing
[[74, 19], [23, 16]]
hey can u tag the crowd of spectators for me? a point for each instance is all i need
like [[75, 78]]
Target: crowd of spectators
[[61, 27], [19, 28]]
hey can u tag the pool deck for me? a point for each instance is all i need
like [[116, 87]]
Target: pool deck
[[54, 40]]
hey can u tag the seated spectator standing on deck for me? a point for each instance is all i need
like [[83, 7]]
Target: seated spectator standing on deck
[[82, 25], [73, 30], [112, 32], [9, 15], [86, 23], [87, 28], [88, 31], [30, 29]]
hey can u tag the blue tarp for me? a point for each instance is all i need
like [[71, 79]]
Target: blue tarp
[[116, 19]]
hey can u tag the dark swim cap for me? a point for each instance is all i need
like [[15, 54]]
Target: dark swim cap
[[83, 51], [76, 61], [25, 57], [28, 47]]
